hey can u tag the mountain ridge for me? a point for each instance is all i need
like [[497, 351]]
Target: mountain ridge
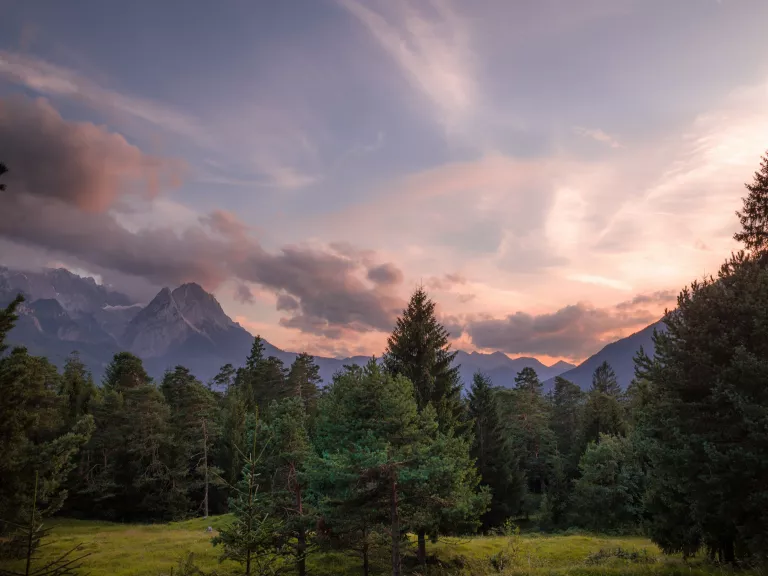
[[186, 325]]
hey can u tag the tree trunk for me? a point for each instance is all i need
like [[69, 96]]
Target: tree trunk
[[422, 552], [31, 535], [301, 538], [301, 551], [395, 520], [366, 565], [248, 563], [729, 555], [205, 466]]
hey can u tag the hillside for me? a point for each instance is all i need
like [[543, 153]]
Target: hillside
[[620, 355]]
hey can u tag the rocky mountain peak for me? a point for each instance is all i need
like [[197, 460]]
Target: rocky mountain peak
[[173, 317], [199, 307]]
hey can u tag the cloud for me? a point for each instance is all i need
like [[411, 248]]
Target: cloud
[[656, 298], [430, 43], [243, 294], [70, 208], [386, 273], [600, 281], [79, 164], [574, 331], [446, 282], [52, 80], [599, 135], [264, 166], [287, 302]]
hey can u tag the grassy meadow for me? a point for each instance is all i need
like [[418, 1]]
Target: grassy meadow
[[153, 550]]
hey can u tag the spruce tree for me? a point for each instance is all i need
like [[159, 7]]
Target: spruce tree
[[284, 462], [603, 412], [253, 538], [754, 214], [495, 459], [369, 437], [704, 425], [527, 414], [35, 439], [76, 388], [194, 428], [703, 421], [567, 419], [224, 379], [609, 493], [131, 450], [304, 381], [233, 437], [419, 350]]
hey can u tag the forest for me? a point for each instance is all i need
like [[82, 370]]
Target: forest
[[388, 459]]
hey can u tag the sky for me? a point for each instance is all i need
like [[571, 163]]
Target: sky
[[552, 172]]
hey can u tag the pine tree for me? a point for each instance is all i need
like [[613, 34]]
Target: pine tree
[[77, 388], [35, 441], [26, 542], [262, 379], [604, 380], [224, 379], [496, 462], [526, 413], [234, 416], [418, 349], [285, 457], [194, 426], [368, 437], [704, 425], [131, 449], [609, 493], [253, 538], [603, 412], [124, 372], [754, 215], [567, 417], [304, 382]]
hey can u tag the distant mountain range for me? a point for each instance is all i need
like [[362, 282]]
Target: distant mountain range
[[620, 355], [65, 312]]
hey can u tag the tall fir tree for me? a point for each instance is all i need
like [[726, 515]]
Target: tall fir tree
[[131, 449], [706, 444], [703, 423], [754, 214], [527, 414], [76, 388], [419, 350], [567, 421], [284, 462], [124, 372], [253, 538], [194, 429], [603, 412], [304, 381], [496, 462], [370, 438], [609, 493], [36, 441]]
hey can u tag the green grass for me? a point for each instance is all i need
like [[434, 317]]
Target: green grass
[[152, 550]]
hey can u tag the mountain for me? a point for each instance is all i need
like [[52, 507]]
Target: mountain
[[65, 312], [502, 369], [620, 355], [76, 294]]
